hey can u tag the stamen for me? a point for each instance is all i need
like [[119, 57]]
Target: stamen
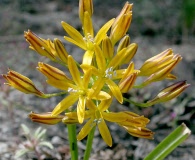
[[97, 121], [110, 73], [71, 90]]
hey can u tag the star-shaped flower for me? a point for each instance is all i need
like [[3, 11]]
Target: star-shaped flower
[[97, 115]]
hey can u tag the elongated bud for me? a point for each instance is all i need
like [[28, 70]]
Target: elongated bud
[[68, 120], [164, 73], [157, 62], [56, 77], [38, 44], [107, 48], [45, 118], [85, 6], [61, 52], [169, 93], [128, 83], [130, 52], [22, 83], [140, 132], [124, 42], [134, 120], [121, 24], [52, 72], [88, 26]]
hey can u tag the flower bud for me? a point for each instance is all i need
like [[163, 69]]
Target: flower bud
[[164, 73], [158, 62], [128, 83], [56, 77], [85, 6], [39, 45], [21, 83], [107, 48], [140, 132], [130, 52], [61, 52], [121, 24], [45, 118], [169, 93], [124, 42]]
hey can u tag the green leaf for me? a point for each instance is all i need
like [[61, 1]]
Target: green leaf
[[38, 130], [21, 152], [173, 140], [47, 144], [41, 134], [25, 129]]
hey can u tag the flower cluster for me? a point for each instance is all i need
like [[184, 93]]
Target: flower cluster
[[100, 77]]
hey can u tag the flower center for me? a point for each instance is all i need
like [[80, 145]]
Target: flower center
[[110, 73], [89, 40]]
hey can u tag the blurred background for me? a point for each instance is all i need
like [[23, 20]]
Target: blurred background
[[156, 26]]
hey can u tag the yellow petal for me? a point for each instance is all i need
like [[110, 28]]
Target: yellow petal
[[105, 133], [102, 32], [64, 104], [86, 129], [101, 96], [115, 90], [86, 67], [117, 58], [100, 59], [105, 104], [87, 25], [83, 46], [90, 105], [114, 117], [73, 33], [86, 78], [74, 71], [87, 57], [81, 108]]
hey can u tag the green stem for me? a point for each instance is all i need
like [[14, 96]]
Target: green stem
[[136, 103], [53, 94], [169, 143], [72, 141], [89, 143]]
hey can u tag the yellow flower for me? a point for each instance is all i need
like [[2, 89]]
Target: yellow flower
[[78, 91], [169, 93], [106, 71], [87, 41], [97, 116], [22, 83], [45, 118]]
